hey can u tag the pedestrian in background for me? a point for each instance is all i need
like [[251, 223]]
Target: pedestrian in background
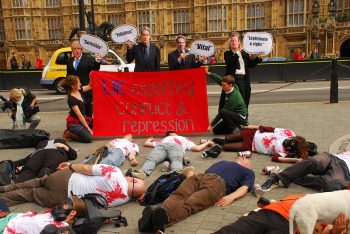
[[315, 54], [39, 62], [145, 53], [13, 61], [26, 64]]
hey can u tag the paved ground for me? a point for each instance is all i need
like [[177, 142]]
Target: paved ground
[[323, 123]]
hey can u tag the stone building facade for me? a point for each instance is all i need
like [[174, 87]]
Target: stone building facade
[[38, 28]]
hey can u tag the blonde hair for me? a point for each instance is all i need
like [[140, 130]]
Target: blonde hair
[[16, 94]]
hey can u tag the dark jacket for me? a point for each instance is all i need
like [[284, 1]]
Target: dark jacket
[[86, 64], [232, 62], [188, 63], [14, 63], [141, 65], [27, 100]]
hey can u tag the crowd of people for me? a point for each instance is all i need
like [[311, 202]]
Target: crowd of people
[[55, 180]]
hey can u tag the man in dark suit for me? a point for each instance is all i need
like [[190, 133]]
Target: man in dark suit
[[145, 54], [81, 65], [238, 63], [179, 59]]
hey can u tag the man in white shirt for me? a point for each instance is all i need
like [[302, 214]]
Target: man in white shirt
[[75, 179], [330, 172], [171, 148]]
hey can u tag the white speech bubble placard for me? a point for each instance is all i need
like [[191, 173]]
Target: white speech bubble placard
[[256, 42], [94, 44], [202, 47], [124, 32]]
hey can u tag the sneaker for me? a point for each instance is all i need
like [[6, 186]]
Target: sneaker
[[257, 190], [270, 183], [145, 222], [139, 174], [213, 152], [186, 160], [186, 170], [159, 219], [275, 171], [165, 166]]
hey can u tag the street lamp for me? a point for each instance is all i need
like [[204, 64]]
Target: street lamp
[[315, 9]]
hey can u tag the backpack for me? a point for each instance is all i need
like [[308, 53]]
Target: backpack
[[161, 188], [95, 214]]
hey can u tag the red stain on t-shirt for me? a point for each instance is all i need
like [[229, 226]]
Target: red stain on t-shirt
[[107, 171], [267, 141], [116, 193]]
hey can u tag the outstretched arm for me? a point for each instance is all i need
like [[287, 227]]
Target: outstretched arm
[[228, 199], [198, 148], [149, 142], [81, 168]]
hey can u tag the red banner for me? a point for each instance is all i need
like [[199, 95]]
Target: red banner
[[147, 103]]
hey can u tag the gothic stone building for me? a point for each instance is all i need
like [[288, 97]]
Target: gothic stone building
[[37, 28]]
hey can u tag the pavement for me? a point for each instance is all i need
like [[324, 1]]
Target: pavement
[[321, 122]]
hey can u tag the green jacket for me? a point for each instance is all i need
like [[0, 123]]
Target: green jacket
[[233, 102]]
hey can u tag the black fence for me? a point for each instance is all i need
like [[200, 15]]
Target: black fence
[[264, 72]]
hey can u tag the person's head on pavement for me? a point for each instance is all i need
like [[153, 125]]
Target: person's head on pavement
[[136, 187], [243, 161], [171, 133], [128, 137]]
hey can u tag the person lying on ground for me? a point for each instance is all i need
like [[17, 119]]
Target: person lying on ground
[[222, 183], [78, 179], [281, 143], [114, 152], [43, 161], [33, 223], [329, 172], [171, 148]]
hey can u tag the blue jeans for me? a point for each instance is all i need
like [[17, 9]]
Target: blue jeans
[[115, 157]]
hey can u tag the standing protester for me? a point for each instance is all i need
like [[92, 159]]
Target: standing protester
[[179, 59], [79, 125], [26, 64], [13, 61], [39, 62], [81, 65], [145, 53], [24, 109], [238, 63], [298, 55]]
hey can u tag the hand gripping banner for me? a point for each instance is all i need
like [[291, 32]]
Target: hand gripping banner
[[147, 103]]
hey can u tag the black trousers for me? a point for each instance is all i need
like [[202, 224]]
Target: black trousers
[[230, 121], [262, 221], [243, 83], [328, 173]]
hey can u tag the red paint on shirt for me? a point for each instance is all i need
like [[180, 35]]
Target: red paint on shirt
[[114, 194], [107, 171]]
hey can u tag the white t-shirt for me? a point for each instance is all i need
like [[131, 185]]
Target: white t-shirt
[[345, 156], [31, 223], [271, 142], [107, 180], [125, 145], [185, 143]]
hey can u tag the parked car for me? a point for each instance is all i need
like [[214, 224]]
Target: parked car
[[56, 69], [274, 59]]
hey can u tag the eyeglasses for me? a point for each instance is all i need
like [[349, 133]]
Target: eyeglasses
[[129, 174]]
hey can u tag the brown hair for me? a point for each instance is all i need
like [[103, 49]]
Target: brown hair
[[302, 146], [235, 34], [228, 79], [68, 82], [78, 206], [179, 37]]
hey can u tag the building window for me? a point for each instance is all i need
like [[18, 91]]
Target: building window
[[53, 3], [115, 19], [217, 18], [54, 28], [19, 3], [146, 19], [296, 12], [76, 2], [181, 22], [2, 30], [115, 1], [255, 16], [23, 28]]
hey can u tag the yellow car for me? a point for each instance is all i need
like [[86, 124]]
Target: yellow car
[[56, 69]]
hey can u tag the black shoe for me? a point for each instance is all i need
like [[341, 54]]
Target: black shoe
[[270, 183], [219, 141], [159, 219], [213, 152], [145, 222]]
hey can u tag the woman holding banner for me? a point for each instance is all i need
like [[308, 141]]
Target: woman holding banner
[[79, 126], [238, 63]]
